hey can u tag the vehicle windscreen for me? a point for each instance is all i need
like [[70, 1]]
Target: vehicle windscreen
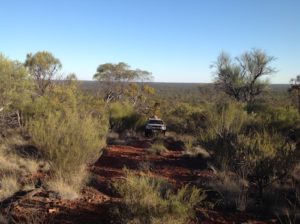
[[155, 122]]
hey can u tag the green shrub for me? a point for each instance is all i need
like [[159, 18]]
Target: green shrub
[[68, 141], [123, 116], [15, 84], [279, 118], [69, 128], [267, 156], [150, 200], [185, 118], [224, 122]]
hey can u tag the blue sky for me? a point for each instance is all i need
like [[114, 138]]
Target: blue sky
[[177, 40]]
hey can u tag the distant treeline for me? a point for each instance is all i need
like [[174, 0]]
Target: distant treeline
[[180, 87]]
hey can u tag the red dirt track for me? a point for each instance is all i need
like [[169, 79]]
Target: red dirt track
[[97, 199]]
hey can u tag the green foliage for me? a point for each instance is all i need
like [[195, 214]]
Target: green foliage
[[43, 67], [267, 156], [68, 133], [67, 140], [295, 90], [242, 79], [123, 117], [278, 118], [232, 188], [15, 84], [120, 72], [224, 121], [150, 200], [185, 118], [140, 96], [114, 79]]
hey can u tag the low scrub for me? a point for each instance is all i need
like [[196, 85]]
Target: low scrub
[[14, 168], [184, 118], [68, 142], [69, 185], [123, 118], [152, 200], [8, 186], [224, 122], [157, 148], [232, 189], [268, 157]]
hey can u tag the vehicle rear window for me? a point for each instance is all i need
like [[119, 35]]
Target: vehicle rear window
[[155, 122]]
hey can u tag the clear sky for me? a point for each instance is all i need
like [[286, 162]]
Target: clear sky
[[176, 40]]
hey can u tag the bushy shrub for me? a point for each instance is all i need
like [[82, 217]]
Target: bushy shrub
[[15, 84], [68, 141], [267, 156], [68, 132], [224, 122], [185, 118], [150, 200], [274, 117], [123, 116], [232, 188]]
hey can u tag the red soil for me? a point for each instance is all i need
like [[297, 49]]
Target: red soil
[[95, 201]]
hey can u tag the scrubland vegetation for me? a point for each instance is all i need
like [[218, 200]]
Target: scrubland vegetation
[[152, 200], [248, 134]]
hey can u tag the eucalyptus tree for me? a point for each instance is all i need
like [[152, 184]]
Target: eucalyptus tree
[[241, 77], [44, 68], [115, 80]]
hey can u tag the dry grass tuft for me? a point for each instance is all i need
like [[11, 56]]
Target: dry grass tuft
[[65, 190], [157, 147], [233, 190], [8, 186], [69, 187], [153, 201], [13, 167], [197, 151]]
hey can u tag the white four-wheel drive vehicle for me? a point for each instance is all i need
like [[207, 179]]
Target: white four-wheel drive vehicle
[[155, 125]]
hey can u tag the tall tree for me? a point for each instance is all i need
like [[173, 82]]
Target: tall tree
[[295, 87], [240, 77], [115, 79], [44, 68], [14, 84]]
